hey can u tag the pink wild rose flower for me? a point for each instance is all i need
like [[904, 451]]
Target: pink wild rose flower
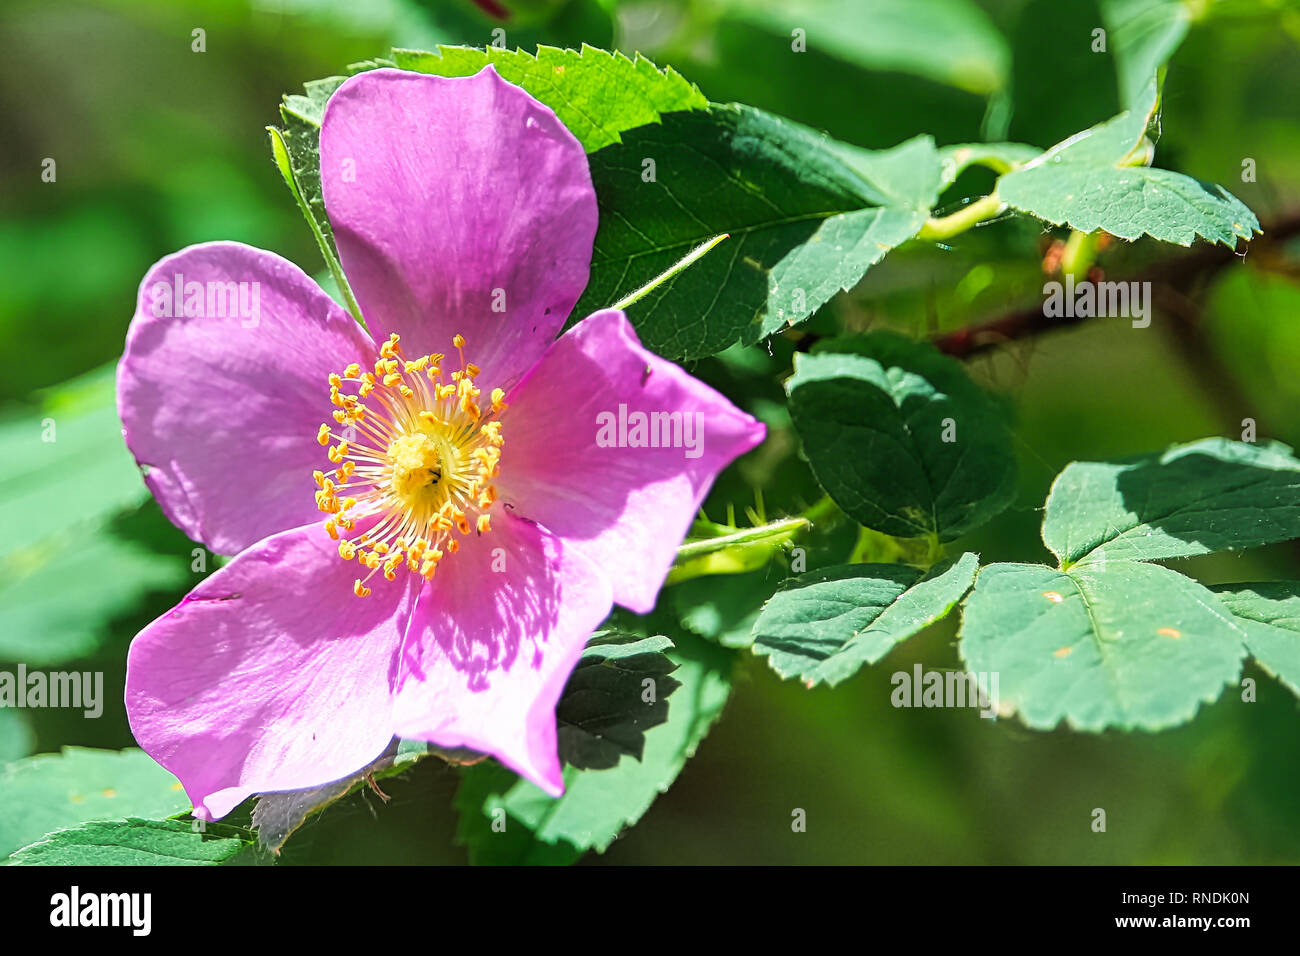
[[430, 561]]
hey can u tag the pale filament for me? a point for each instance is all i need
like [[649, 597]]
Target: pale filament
[[415, 454]]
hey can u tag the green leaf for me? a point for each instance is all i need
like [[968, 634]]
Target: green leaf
[[40, 626], [66, 466], [597, 804], [1116, 142], [16, 736], [873, 427], [603, 713], [1206, 496], [301, 116], [53, 791], [1143, 35], [1097, 180], [277, 816], [1270, 614], [821, 627], [68, 483], [948, 41], [721, 609], [1130, 203], [596, 94], [1127, 644], [133, 842], [806, 217]]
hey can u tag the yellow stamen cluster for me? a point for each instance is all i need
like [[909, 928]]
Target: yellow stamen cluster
[[413, 452]]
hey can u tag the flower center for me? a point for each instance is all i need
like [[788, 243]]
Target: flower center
[[414, 453]]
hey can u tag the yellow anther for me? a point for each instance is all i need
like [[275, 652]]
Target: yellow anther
[[359, 589], [418, 473]]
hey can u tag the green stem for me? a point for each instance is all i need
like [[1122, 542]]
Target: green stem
[[1079, 254], [775, 529], [946, 227]]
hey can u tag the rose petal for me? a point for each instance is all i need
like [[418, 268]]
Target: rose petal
[[271, 674], [493, 640], [459, 205], [625, 508], [223, 410]]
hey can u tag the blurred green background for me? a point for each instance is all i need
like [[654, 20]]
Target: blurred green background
[[157, 147]]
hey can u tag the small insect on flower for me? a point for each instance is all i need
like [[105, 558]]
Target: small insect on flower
[[423, 543]]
